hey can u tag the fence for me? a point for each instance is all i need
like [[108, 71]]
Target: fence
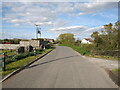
[[11, 57], [114, 53], [6, 56]]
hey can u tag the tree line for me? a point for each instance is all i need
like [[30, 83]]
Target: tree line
[[106, 39]]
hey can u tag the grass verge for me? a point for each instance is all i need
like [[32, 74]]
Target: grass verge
[[85, 50], [116, 71], [16, 65], [104, 57], [81, 50]]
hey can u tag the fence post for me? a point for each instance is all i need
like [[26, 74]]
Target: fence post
[[3, 61]]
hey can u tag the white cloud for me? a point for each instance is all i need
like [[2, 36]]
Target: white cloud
[[48, 14], [65, 7], [87, 33], [17, 24], [104, 0], [45, 23], [94, 29], [68, 28], [59, 23], [78, 31], [15, 34], [29, 13], [26, 1], [93, 7]]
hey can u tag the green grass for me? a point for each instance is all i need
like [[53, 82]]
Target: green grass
[[8, 52], [105, 57], [116, 71], [15, 65], [81, 50]]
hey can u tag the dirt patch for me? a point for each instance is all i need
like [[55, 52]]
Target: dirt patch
[[114, 76]]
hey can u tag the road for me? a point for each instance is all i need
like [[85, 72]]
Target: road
[[62, 68]]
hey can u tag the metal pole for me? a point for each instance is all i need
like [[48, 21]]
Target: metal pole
[[37, 32], [3, 62]]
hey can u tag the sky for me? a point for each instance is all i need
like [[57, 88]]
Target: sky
[[80, 18]]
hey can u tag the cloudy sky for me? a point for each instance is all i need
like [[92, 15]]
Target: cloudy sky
[[54, 18]]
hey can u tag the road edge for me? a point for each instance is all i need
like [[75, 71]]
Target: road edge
[[23, 67]]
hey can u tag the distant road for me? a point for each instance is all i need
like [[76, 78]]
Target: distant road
[[62, 68]]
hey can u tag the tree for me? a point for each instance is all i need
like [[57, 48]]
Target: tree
[[108, 39], [66, 38], [95, 34], [16, 41], [108, 28]]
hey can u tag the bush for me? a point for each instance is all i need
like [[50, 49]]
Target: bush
[[18, 57], [22, 55], [9, 60], [31, 54], [38, 51]]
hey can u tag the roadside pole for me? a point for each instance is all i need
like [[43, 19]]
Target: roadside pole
[[3, 62]]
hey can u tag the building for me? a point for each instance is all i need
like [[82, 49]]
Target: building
[[33, 43], [87, 41], [50, 40]]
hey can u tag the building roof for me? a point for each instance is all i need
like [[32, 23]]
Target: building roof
[[89, 39]]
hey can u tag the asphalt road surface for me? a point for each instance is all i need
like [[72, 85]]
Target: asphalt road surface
[[62, 68]]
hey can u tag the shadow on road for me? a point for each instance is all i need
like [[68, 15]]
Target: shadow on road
[[50, 61]]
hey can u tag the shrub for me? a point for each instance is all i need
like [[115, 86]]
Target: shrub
[[18, 57], [31, 54], [9, 60]]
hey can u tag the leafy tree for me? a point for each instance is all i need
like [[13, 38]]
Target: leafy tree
[[66, 38], [95, 34], [16, 41], [109, 37]]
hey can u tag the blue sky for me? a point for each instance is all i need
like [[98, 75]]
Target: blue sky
[[81, 19]]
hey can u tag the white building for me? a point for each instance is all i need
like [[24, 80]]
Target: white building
[[87, 41]]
